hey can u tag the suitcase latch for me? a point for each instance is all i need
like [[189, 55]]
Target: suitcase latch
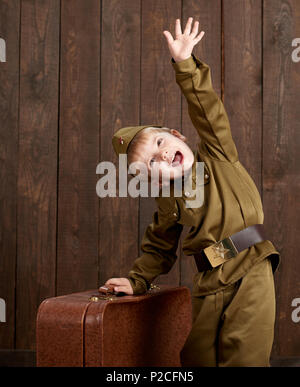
[[102, 297], [153, 287]]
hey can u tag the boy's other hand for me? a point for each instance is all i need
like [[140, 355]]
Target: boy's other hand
[[181, 48], [120, 285]]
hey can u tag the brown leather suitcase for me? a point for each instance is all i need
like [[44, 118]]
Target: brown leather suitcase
[[93, 329]]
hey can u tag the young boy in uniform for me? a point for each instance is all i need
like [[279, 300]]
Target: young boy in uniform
[[233, 293]]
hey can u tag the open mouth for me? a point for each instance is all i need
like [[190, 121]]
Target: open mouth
[[177, 159]]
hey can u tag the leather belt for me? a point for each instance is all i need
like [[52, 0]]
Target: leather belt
[[229, 247]]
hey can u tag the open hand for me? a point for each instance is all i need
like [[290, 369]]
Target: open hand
[[181, 48]]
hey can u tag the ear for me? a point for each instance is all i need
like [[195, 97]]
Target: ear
[[178, 134]]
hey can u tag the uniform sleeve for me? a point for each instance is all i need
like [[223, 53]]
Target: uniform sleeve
[[205, 109], [159, 246]]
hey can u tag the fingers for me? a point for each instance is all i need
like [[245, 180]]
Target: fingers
[[199, 37], [169, 37], [120, 285], [114, 281], [187, 29], [178, 31], [122, 288], [195, 29]]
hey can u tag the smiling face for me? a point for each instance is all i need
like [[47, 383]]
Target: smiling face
[[163, 152]]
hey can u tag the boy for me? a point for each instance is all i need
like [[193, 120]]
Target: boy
[[233, 293]]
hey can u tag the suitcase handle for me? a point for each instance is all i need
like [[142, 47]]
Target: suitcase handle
[[107, 290], [105, 293], [108, 293], [110, 289]]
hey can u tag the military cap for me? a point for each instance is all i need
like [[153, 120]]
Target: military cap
[[122, 138]]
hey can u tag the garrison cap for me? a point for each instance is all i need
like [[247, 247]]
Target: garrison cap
[[123, 136]]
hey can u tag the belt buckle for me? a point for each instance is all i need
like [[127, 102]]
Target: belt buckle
[[220, 252]]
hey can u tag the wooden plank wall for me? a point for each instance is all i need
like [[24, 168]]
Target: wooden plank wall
[[77, 71], [281, 164]]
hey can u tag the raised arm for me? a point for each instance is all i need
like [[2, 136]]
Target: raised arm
[[205, 108]]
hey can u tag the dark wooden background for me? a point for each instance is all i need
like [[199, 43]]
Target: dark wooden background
[[75, 72]]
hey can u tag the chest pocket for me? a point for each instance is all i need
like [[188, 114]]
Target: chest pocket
[[168, 208]]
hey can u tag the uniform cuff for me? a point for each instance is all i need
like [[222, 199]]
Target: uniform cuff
[[185, 66], [138, 286]]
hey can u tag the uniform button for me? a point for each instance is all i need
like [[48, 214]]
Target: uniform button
[[187, 193], [174, 214], [206, 176]]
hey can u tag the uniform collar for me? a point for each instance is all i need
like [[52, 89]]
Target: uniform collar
[[192, 170]]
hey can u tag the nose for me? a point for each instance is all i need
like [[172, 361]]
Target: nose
[[165, 155]]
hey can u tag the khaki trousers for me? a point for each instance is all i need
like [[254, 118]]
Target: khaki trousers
[[235, 326]]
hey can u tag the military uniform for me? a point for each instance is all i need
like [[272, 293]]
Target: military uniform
[[233, 303]]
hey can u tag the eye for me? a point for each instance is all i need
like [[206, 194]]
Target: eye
[[159, 141]]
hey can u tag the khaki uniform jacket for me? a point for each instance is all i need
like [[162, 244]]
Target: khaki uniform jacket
[[231, 199]]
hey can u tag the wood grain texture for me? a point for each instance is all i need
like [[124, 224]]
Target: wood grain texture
[[281, 141], [37, 163], [9, 109], [242, 80], [120, 107], [77, 234], [160, 100], [76, 72], [208, 13]]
